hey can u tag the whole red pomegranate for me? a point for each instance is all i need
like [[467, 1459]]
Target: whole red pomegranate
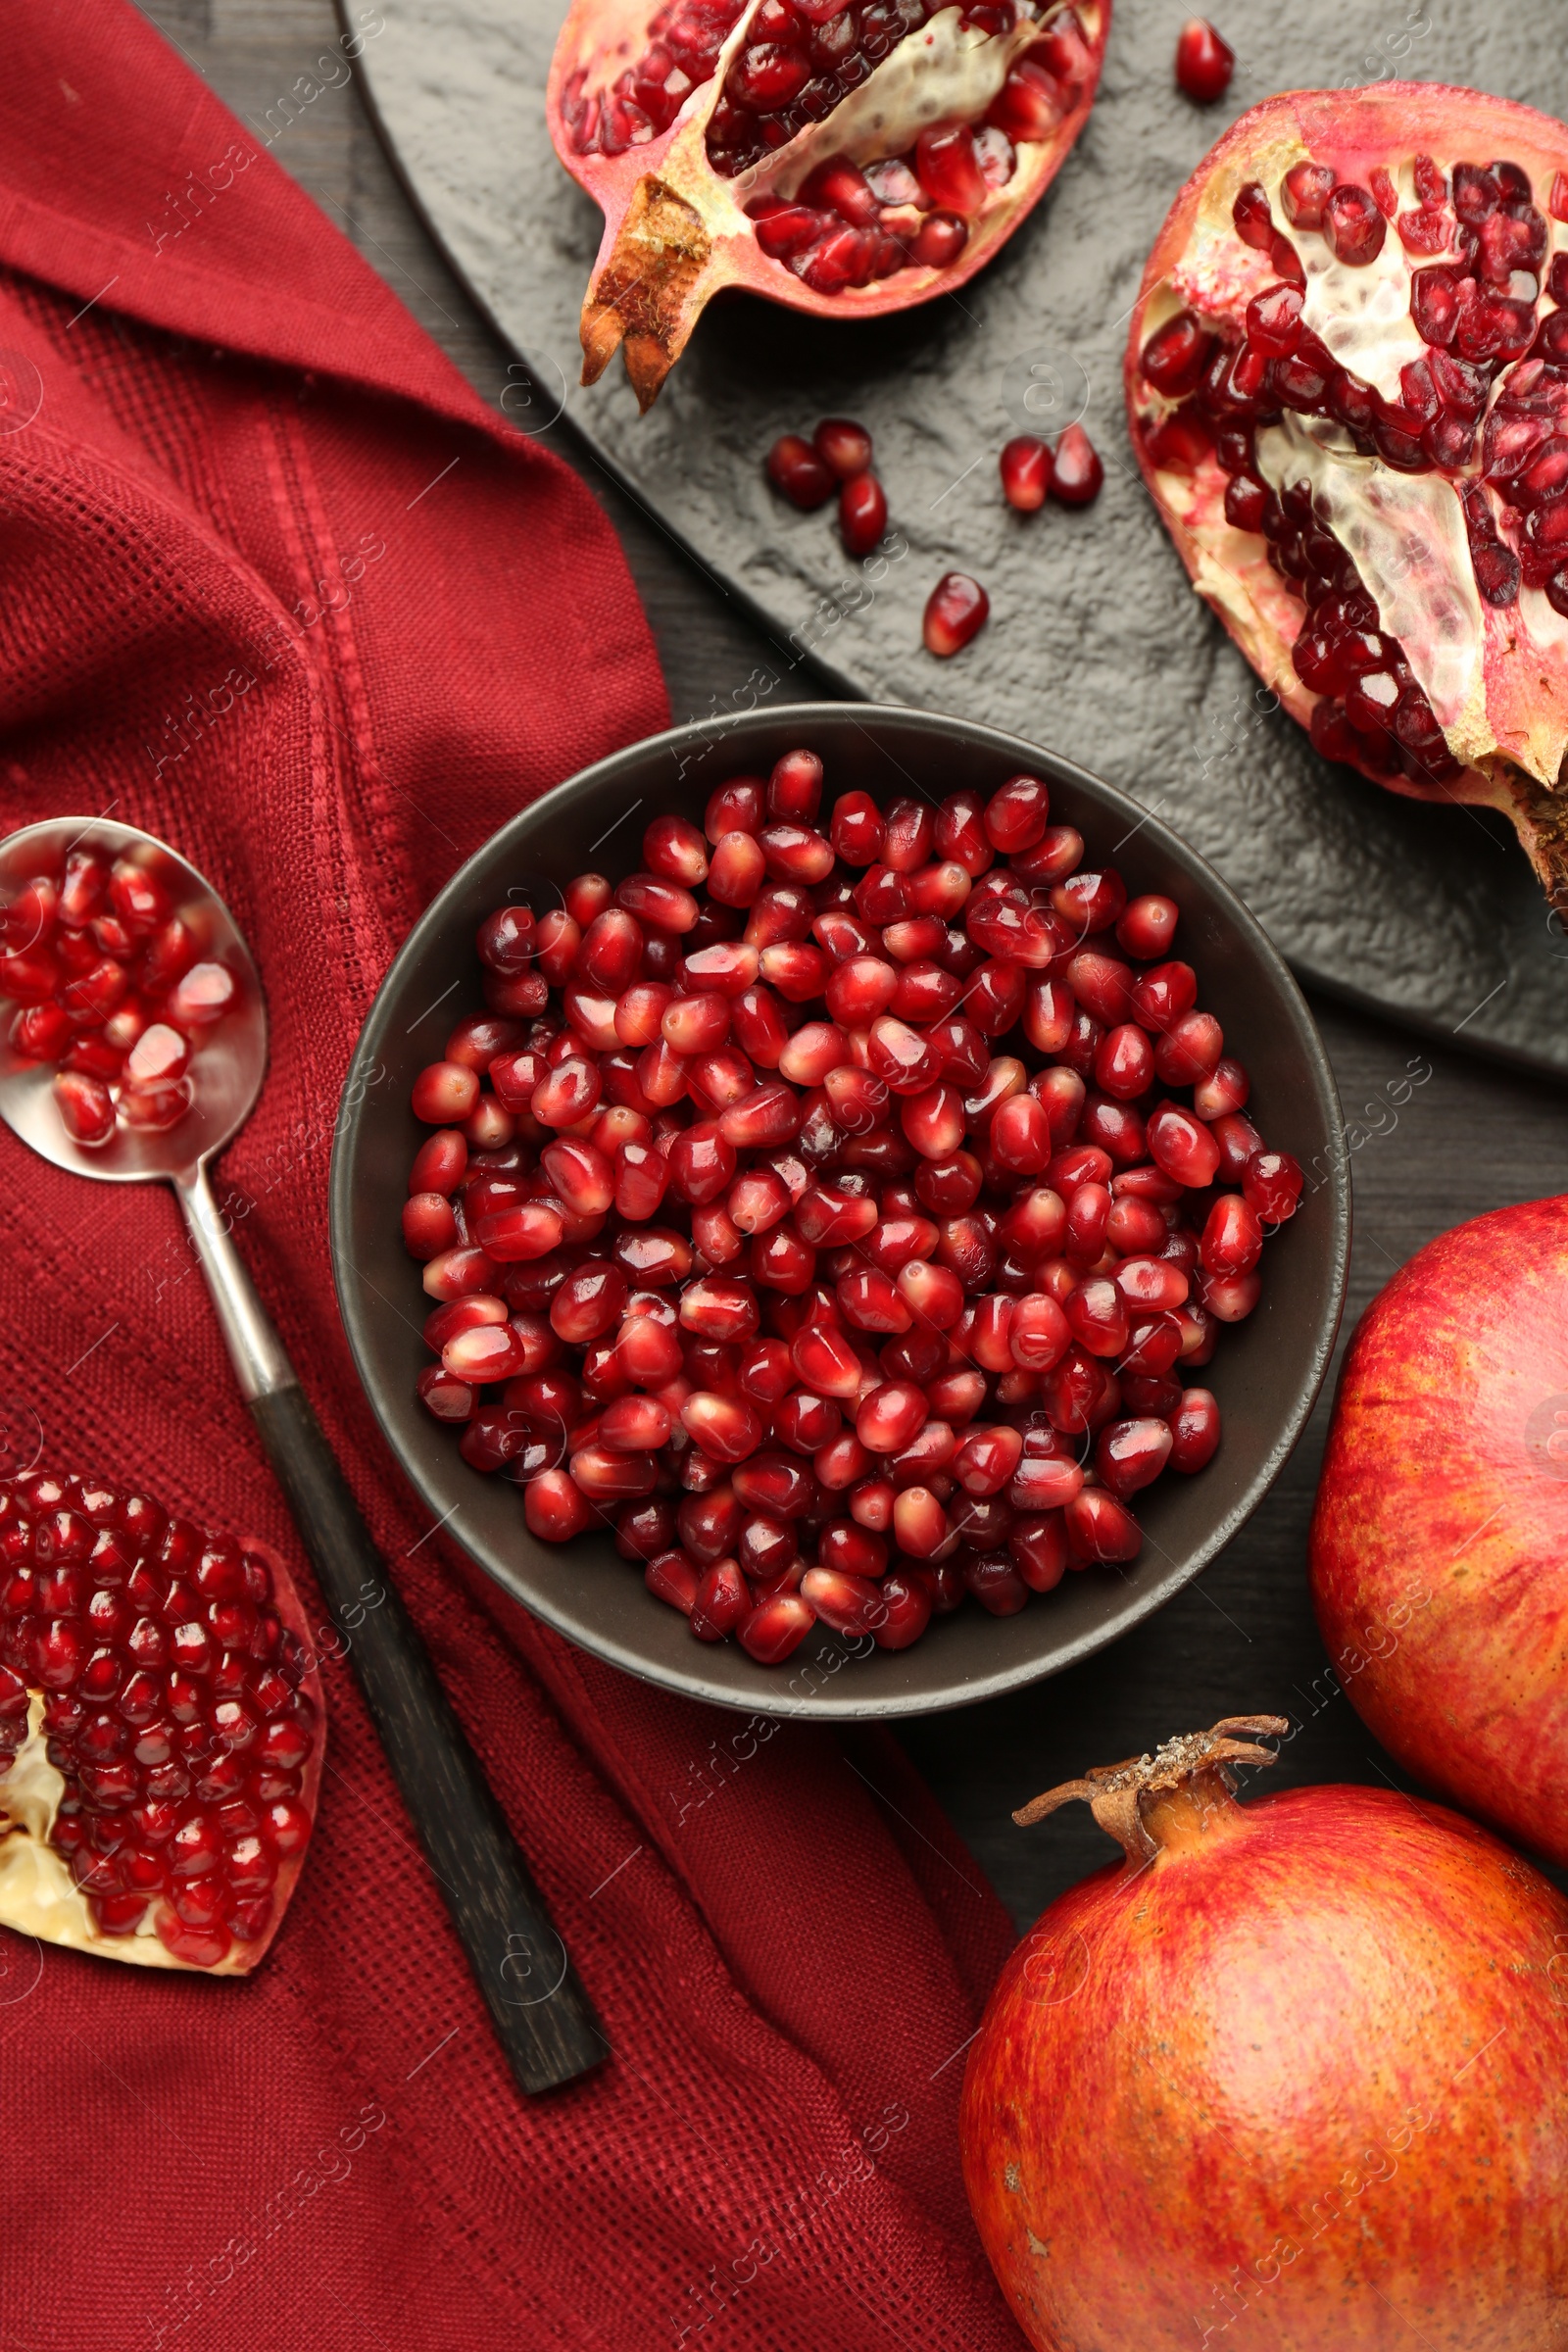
[[1441, 1520], [1349, 391], [1298, 2068], [161, 1731], [844, 157]]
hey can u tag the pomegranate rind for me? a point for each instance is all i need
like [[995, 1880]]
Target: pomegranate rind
[[1511, 732], [676, 232], [1153, 2111], [38, 1896], [1441, 1520]]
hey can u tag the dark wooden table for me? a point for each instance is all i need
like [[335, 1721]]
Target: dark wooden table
[[1471, 1136]]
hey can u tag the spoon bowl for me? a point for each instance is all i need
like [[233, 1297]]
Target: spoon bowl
[[226, 1066]]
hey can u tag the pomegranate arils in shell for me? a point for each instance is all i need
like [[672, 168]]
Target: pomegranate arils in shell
[[720, 142], [912, 1323], [1204, 61], [161, 1731], [1435, 444]]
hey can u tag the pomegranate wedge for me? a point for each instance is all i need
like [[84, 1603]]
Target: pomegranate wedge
[[843, 157], [161, 1731], [1348, 392]]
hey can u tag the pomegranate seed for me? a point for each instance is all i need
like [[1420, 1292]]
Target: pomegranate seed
[[863, 514], [1026, 466], [1272, 1185], [86, 1106], [1303, 193], [1100, 1527], [722, 1599], [1204, 63], [776, 1628], [955, 611], [1077, 472], [445, 1094], [795, 468], [1183, 1146], [1195, 1431], [844, 447], [1354, 226]]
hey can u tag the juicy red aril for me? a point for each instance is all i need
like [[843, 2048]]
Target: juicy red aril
[[1026, 468], [1077, 470], [1204, 61], [863, 514], [795, 468], [956, 612], [844, 447], [1303, 192], [1176, 355], [1354, 226]]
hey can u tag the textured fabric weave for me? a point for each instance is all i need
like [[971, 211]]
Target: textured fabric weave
[[276, 585]]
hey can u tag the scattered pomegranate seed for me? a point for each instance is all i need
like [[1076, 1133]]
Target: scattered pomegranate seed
[[1026, 472], [863, 514], [956, 612], [1077, 472], [844, 447], [1204, 63], [752, 1245], [795, 468]]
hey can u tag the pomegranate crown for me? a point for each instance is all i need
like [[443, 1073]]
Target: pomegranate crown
[[1115, 1793]]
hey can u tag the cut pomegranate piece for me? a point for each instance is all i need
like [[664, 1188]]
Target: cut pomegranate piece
[[847, 160], [1375, 455], [161, 1731], [1204, 63]]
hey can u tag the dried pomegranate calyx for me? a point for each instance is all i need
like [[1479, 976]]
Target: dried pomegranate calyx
[[1133, 1801], [1348, 383], [848, 160]]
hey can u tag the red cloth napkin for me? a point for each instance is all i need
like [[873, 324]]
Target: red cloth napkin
[[276, 585]]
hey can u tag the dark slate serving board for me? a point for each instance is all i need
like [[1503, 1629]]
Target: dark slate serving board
[[1095, 646]]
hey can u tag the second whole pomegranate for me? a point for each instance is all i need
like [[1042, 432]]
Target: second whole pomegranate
[[1294, 2074]]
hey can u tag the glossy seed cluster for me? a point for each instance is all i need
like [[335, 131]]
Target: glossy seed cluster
[[111, 985], [841, 1210]]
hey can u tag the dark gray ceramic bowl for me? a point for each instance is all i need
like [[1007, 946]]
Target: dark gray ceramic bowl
[[1265, 1372]]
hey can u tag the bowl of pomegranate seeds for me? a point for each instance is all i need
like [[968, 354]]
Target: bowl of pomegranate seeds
[[841, 1214]]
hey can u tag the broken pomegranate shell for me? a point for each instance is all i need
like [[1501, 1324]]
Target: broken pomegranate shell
[[1348, 392], [847, 158], [162, 1729]]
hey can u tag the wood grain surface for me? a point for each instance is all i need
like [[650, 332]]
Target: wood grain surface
[[1470, 1137]]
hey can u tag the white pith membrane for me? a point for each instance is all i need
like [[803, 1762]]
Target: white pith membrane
[[38, 1895], [673, 219], [1504, 715]]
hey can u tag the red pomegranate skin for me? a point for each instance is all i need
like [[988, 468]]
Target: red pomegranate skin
[[1441, 1530], [1297, 2083]]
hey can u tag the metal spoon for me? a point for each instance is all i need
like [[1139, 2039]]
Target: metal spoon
[[541, 2013]]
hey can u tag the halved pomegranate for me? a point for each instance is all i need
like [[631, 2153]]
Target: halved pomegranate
[[160, 1729], [844, 157], [1349, 391]]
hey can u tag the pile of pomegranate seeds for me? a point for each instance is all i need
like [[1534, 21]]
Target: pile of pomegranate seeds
[[838, 457], [109, 983], [164, 1713], [1204, 63], [744, 1235], [1485, 408], [1030, 472], [848, 221]]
